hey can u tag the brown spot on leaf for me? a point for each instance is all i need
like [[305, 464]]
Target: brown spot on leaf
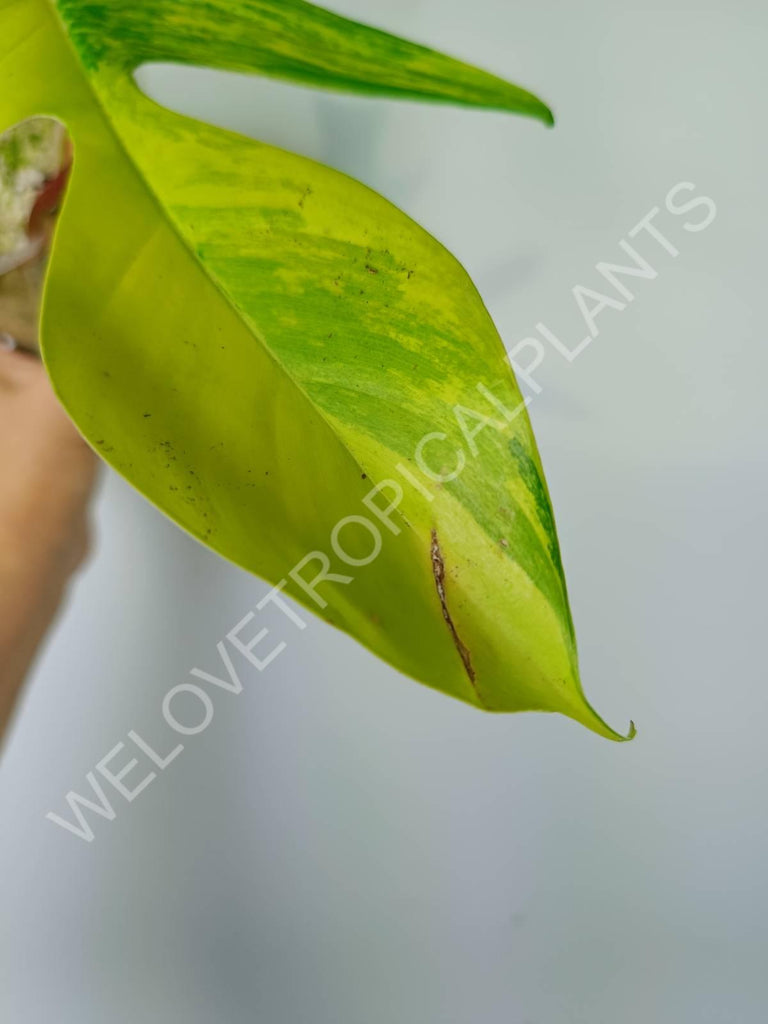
[[438, 571]]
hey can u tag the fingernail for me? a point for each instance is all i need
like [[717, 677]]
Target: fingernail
[[7, 342]]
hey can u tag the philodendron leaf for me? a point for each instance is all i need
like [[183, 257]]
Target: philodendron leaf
[[277, 357]]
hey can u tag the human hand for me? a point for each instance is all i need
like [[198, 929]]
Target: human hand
[[47, 474]]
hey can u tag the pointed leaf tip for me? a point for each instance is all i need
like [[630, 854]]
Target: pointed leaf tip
[[631, 733]]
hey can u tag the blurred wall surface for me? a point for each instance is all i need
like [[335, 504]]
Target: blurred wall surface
[[342, 846]]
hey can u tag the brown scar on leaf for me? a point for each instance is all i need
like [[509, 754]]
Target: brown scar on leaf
[[438, 571]]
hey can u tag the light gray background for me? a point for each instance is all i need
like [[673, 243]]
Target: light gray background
[[343, 846]]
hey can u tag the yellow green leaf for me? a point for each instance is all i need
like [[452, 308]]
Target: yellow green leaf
[[276, 356]]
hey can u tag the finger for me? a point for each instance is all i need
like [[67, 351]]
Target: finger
[[51, 469], [39, 422], [18, 369]]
